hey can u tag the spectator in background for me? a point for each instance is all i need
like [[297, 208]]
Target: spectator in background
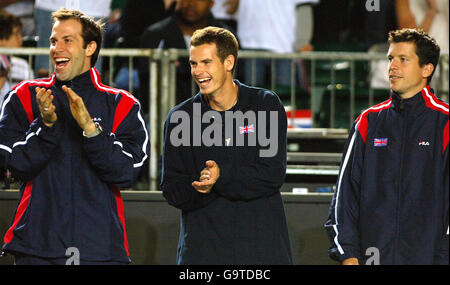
[[113, 29], [224, 10], [428, 15], [175, 32], [42, 13], [12, 69], [116, 11], [136, 16], [376, 26], [432, 17], [283, 26], [140, 14], [24, 10], [5, 66]]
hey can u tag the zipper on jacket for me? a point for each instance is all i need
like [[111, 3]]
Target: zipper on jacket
[[404, 118], [72, 201]]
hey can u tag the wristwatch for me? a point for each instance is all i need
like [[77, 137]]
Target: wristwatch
[[98, 130]]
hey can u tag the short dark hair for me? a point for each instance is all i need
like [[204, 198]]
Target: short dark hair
[[7, 23], [427, 49], [91, 29], [225, 41]]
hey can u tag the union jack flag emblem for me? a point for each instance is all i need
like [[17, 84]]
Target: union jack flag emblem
[[247, 129], [380, 142]]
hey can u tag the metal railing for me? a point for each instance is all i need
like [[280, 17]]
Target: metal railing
[[162, 82], [157, 108], [336, 62]]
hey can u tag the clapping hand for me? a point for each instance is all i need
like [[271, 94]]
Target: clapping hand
[[79, 111], [44, 100], [208, 177]]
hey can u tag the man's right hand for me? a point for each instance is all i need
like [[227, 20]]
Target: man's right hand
[[44, 100], [350, 261]]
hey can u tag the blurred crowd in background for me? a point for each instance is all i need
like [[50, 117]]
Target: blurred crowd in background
[[277, 26], [282, 26]]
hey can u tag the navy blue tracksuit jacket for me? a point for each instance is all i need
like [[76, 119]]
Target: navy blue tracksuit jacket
[[71, 191], [242, 220], [392, 194]]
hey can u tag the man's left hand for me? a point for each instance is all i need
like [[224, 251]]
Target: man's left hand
[[79, 111], [208, 177]]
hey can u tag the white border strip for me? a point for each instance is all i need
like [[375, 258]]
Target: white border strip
[[442, 107], [45, 82], [123, 92], [30, 135], [344, 166]]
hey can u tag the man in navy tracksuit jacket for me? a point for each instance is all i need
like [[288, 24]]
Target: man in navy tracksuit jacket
[[391, 204], [229, 193], [74, 143]]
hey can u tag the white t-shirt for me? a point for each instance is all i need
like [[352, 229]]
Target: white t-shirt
[[439, 28], [439, 31], [22, 8], [97, 8], [219, 11], [268, 24], [20, 70]]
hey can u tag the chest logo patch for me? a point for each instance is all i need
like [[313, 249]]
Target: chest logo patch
[[247, 129], [381, 142], [424, 143]]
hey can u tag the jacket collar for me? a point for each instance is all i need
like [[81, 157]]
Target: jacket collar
[[415, 104], [242, 103], [84, 79]]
